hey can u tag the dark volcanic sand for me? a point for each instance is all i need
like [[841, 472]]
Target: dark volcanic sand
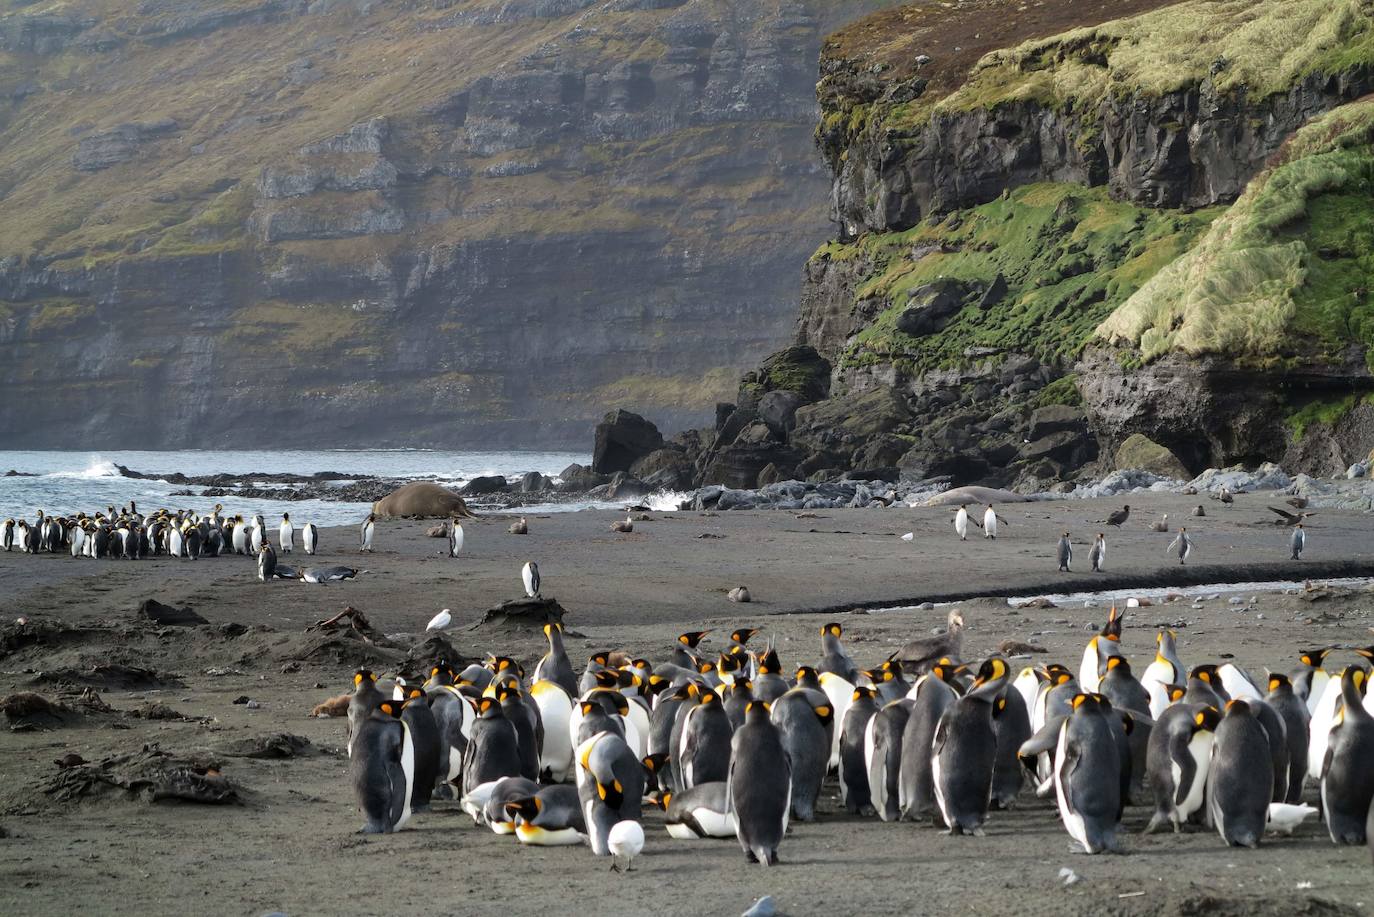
[[291, 846]]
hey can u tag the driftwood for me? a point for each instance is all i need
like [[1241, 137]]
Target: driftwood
[[159, 613], [151, 775], [110, 675], [270, 745]]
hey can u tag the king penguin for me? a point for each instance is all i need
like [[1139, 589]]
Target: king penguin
[[804, 719], [424, 734], [555, 666], [1178, 759], [1087, 775], [286, 534], [1309, 682], [883, 757], [854, 789], [610, 786], [1347, 779], [702, 811], [760, 786], [1240, 782], [382, 769], [931, 696], [310, 538], [493, 749], [963, 753], [365, 699], [366, 533], [455, 537], [1291, 709], [703, 752]]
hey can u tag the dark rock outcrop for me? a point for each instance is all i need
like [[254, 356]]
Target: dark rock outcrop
[[622, 438]]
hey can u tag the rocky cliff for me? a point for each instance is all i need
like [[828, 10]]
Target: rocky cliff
[[1069, 226], [436, 222]]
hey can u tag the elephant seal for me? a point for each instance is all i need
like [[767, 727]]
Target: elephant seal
[[422, 499]]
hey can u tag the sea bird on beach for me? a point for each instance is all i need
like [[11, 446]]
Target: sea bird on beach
[[1116, 517], [1184, 545], [1162, 525], [366, 533], [625, 527], [1287, 518], [1098, 554], [1065, 553], [441, 621], [917, 655], [519, 527]]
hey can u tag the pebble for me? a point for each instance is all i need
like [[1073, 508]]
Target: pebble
[[253, 705], [1068, 875], [926, 606], [1235, 600]]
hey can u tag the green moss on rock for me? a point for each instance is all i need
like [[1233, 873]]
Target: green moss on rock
[[1285, 272]]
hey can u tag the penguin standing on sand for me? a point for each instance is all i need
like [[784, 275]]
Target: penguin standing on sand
[[1240, 782], [990, 520], [1098, 555], [286, 534], [267, 562], [455, 537], [703, 751], [931, 697], [610, 786], [803, 719], [963, 753], [493, 749], [530, 574], [1087, 775], [684, 650], [759, 786], [961, 523], [1065, 553], [1347, 778], [854, 790], [7, 535], [382, 768], [1298, 541], [883, 756], [310, 538], [1184, 545], [1178, 758], [365, 534], [1290, 708], [424, 734]]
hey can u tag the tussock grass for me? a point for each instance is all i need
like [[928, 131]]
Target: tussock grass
[[1285, 271]]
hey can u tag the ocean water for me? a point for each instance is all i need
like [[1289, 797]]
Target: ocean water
[[70, 482]]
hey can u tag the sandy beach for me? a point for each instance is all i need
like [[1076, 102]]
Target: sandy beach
[[289, 844]]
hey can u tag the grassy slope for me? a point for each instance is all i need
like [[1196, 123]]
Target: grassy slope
[[1069, 255], [1286, 271]]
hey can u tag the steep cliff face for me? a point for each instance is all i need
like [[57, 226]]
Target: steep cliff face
[[1005, 184], [461, 223]]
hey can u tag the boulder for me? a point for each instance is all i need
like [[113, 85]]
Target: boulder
[[1139, 451], [932, 305], [738, 464], [779, 411], [881, 451], [664, 469], [798, 369], [857, 416], [532, 482], [485, 484], [769, 475], [733, 424], [1056, 418], [578, 478], [622, 438], [421, 499], [624, 485]]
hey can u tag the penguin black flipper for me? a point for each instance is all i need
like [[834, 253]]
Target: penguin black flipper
[[1187, 767]]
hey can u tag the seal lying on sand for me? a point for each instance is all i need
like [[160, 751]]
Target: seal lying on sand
[[974, 494], [422, 498]]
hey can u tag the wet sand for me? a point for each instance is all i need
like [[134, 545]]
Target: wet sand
[[291, 846]]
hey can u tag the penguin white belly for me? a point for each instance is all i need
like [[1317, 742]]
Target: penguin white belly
[[868, 745], [1028, 686], [1161, 671], [1159, 698], [638, 718], [1320, 679], [1037, 709], [841, 695], [1323, 717], [961, 524], [535, 836], [681, 832], [1088, 677], [914, 691], [502, 827], [1200, 748], [555, 711], [939, 790], [1073, 822], [715, 824], [990, 524], [474, 802], [408, 768]]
